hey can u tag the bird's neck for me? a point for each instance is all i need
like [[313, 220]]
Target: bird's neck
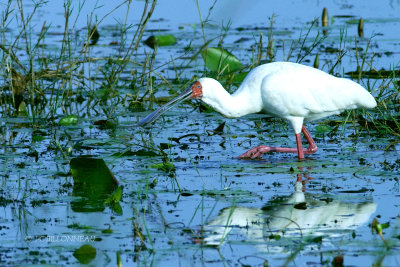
[[231, 106]]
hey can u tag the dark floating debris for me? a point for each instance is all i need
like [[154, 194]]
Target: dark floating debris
[[94, 35], [362, 190], [177, 140], [218, 130], [140, 153], [374, 74], [343, 16], [106, 124]]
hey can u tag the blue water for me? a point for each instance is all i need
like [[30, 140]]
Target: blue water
[[237, 205]]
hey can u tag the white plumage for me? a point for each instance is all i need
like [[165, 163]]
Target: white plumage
[[287, 90]]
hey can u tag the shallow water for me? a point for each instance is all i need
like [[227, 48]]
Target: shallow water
[[229, 211]]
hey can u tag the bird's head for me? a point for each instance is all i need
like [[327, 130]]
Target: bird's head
[[197, 90], [205, 88]]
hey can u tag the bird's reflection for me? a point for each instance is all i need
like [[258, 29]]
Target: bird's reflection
[[290, 219]]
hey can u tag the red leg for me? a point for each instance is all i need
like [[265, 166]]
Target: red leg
[[312, 148], [257, 152], [300, 150]]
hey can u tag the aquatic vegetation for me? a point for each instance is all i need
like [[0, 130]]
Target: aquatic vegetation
[[79, 176]]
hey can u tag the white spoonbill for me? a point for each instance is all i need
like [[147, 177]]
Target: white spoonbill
[[287, 90]]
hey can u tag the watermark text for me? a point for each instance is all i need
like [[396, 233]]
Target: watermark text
[[61, 238]]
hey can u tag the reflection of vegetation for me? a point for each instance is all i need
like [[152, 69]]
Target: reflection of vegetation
[[95, 184]]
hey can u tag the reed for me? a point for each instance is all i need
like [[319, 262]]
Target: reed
[[50, 83]]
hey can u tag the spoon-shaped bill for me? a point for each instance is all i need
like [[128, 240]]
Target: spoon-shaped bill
[[157, 113]]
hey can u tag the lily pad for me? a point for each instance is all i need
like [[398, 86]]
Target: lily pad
[[323, 129], [219, 59], [164, 166], [69, 120], [239, 78], [85, 254]]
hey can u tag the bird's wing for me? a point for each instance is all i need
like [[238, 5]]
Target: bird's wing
[[311, 95]]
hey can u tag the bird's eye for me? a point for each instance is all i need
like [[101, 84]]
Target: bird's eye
[[199, 86]]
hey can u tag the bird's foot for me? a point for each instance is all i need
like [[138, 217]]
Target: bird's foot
[[256, 152]]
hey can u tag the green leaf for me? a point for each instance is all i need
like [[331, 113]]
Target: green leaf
[[160, 40], [22, 109], [79, 226], [240, 77], [385, 225], [116, 208], [38, 138], [69, 120], [85, 254], [107, 231], [323, 129], [218, 59], [317, 239], [115, 197], [164, 166]]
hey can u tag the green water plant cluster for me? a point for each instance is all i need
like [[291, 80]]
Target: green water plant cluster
[[72, 82], [46, 83]]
